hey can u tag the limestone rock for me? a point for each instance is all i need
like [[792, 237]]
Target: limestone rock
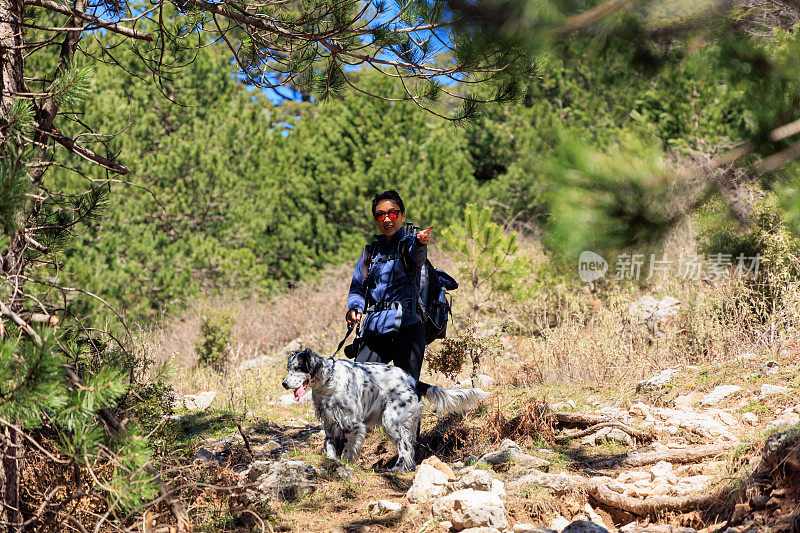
[[473, 479], [661, 469], [429, 484], [651, 312], [199, 402], [383, 506], [718, 394], [750, 418], [770, 390], [687, 400], [280, 480], [470, 508], [640, 409], [634, 476], [440, 465], [480, 530], [659, 381], [559, 523], [482, 381], [509, 451], [584, 526]]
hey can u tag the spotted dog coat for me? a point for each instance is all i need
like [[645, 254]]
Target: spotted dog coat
[[350, 397]]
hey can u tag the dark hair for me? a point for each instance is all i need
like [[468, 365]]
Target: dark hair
[[388, 195]]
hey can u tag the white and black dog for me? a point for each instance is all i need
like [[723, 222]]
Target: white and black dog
[[350, 397]]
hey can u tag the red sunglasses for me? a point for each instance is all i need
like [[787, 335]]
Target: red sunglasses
[[393, 214]]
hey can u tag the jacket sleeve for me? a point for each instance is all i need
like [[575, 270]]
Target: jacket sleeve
[[355, 299], [417, 251]]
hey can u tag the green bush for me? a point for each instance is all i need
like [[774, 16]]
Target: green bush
[[215, 338]]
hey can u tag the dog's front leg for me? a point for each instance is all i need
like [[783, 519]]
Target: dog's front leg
[[329, 447], [354, 438]]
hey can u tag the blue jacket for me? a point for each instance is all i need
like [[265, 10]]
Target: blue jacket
[[387, 294]]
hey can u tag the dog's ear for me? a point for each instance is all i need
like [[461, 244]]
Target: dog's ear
[[309, 362]]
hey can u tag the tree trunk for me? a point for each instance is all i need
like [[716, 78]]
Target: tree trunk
[[11, 80], [11, 450]]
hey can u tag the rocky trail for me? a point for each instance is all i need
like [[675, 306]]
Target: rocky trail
[[699, 461]]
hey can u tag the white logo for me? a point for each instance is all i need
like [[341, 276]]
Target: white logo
[[591, 266]]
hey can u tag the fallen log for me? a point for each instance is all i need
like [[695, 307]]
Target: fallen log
[[680, 455]]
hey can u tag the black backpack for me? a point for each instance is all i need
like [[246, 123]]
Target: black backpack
[[434, 303]]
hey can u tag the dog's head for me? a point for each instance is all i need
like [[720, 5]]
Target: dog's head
[[303, 368]]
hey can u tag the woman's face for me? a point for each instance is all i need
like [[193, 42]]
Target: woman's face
[[384, 212]]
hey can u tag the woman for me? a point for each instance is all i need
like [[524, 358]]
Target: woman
[[383, 293]]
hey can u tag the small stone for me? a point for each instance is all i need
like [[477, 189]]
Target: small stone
[[383, 506], [438, 464], [634, 476], [445, 525], [660, 380], [480, 530], [203, 456], [498, 488], [662, 489], [470, 508], [740, 511], [559, 523], [771, 390], [639, 409], [687, 400], [199, 402], [770, 367], [509, 451], [409, 513], [429, 484], [584, 526], [719, 394], [530, 528], [473, 479], [661, 469], [483, 381]]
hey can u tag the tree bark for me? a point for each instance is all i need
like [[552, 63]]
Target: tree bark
[[11, 515], [686, 455], [11, 80]]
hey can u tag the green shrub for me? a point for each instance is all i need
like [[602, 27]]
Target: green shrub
[[215, 338]]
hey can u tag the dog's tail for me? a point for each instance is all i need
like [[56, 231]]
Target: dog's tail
[[444, 401]]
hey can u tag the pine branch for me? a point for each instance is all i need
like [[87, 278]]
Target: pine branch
[[100, 23], [85, 153]]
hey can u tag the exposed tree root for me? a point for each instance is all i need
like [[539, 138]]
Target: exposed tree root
[[633, 432], [596, 489], [683, 455], [595, 422]]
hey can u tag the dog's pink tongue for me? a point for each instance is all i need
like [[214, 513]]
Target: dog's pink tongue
[[299, 391]]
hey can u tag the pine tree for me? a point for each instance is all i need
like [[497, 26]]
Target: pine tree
[[488, 255]]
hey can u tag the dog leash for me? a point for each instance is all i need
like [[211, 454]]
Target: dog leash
[[350, 329]]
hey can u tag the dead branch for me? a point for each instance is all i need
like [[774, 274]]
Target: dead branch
[[86, 17], [633, 432], [85, 153], [24, 326], [579, 419], [684, 455]]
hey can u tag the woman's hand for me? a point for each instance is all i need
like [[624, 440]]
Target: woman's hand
[[424, 236], [353, 315]]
